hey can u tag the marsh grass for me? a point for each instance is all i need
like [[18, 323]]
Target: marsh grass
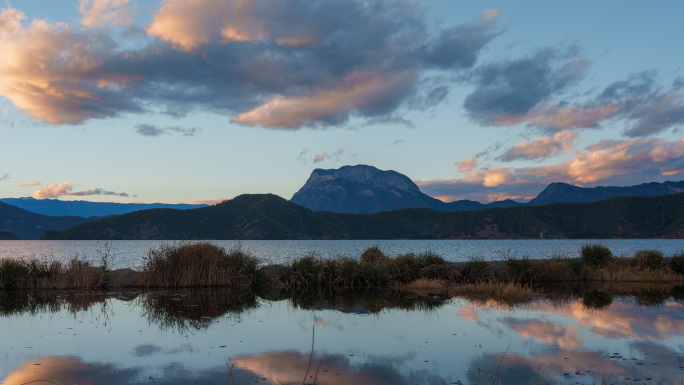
[[596, 255], [373, 270], [34, 274], [198, 265], [477, 271], [509, 294], [426, 286]]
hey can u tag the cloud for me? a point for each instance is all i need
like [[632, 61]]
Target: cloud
[[466, 165], [512, 88], [146, 129], [52, 73], [644, 108], [321, 156], [542, 148], [209, 202], [28, 184], [187, 24], [367, 93], [607, 162], [57, 190], [99, 13], [307, 64]]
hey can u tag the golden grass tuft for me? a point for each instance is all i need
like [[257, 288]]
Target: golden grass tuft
[[426, 286], [504, 293]]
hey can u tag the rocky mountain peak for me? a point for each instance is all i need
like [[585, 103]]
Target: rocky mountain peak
[[371, 177]]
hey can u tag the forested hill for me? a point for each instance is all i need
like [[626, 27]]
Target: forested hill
[[6, 235], [28, 225], [271, 217]]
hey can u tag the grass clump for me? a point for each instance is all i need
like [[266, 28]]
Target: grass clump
[[677, 263], [477, 271], [650, 260], [425, 286], [373, 270], [596, 255], [521, 270], [198, 265], [34, 274]]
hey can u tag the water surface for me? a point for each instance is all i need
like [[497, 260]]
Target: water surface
[[194, 337], [131, 253]]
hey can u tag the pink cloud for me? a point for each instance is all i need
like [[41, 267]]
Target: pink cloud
[[492, 178], [54, 190], [50, 73], [99, 13], [187, 24], [618, 162], [28, 184], [466, 165], [357, 91], [209, 202], [543, 147], [57, 190], [548, 115]]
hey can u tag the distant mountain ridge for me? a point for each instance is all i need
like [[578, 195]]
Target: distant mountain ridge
[[272, 217], [363, 189], [563, 192], [7, 236], [86, 209], [29, 225]]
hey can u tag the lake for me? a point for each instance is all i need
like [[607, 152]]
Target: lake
[[131, 253], [195, 337]]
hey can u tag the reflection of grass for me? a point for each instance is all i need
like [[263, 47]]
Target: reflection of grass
[[508, 294], [192, 309]]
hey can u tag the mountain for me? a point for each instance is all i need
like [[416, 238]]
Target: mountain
[[563, 192], [244, 217], [7, 236], [28, 225], [364, 189], [272, 217], [85, 209]]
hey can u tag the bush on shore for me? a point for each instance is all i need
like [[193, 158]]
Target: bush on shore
[[198, 265], [34, 274]]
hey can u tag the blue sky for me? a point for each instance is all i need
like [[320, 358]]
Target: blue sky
[[202, 100]]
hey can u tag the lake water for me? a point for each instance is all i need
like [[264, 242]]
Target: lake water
[[195, 337], [131, 253]]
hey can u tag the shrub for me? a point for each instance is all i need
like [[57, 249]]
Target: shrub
[[374, 256], [677, 263], [198, 265], [650, 260], [476, 271], [521, 270], [596, 255]]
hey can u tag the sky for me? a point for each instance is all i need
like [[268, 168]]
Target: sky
[[196, 101]]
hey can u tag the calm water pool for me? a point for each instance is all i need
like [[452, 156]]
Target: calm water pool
[[195, 337]]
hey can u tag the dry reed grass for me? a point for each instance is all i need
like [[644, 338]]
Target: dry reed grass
[[509, 294], [34, 274], [426, 286], [198, 265]]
